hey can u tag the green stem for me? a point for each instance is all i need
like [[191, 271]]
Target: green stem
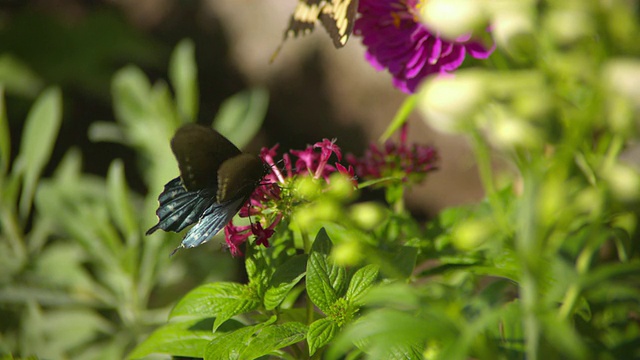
[[529, 253], [483, 158]]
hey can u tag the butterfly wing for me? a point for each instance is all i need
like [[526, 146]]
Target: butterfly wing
[[200, 152], [338, 17], [304, 17], [212, 221], [239, 176], [180, 208], [216, 179]]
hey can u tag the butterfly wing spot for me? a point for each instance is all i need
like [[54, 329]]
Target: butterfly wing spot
[[223, 184], [190, 173], [306, 13]]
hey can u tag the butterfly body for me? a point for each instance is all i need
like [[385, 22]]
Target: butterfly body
[[216, 179]]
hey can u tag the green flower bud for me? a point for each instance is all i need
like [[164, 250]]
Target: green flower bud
[[367, 215], [347, 253]]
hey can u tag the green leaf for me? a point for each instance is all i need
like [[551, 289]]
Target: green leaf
[[40, 133], [183, 74], [231, 345], [259, 269], [564, 337], [187, 338], [401, 117], [5, 136], [72, 328], [361, 282], [120, 204], [241, 116], [321, 332], [255, 341], [130, 90], [384, 330], [284, 279], [325, 280], [393, 295], [221, 300], [275, 337], [17, 78], [609, 273]]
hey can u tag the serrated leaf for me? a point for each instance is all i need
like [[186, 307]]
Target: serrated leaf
[[258, 268], [231, 345], [321, 332], [40, 132], [322, 244], [187, 338], [274, 337], [183, 74], [284, 279], [241, 116], [361, 282], [221, 300], [120, 204], [325, 280]]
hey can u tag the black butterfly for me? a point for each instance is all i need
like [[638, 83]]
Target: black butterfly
[[337, 17], [215, 181]]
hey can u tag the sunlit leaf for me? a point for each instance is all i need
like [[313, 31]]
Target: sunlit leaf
[[240, 116], [183, 74], [39, 136]]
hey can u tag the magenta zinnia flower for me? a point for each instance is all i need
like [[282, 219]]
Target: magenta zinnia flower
[[396, 40]]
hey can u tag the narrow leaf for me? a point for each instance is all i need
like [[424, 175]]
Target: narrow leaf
[[40, 132], [5, 136], [120, 203], [18, 78], [321, 332], [130, 90], [241, 116], [183, 74]]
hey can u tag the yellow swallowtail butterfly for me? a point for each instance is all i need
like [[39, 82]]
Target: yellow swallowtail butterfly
[[337, 17]]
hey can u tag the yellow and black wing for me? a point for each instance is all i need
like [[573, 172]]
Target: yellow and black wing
[[337, 17]]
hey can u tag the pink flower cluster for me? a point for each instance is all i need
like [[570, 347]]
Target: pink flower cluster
[[410, 163], [268, 196]]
